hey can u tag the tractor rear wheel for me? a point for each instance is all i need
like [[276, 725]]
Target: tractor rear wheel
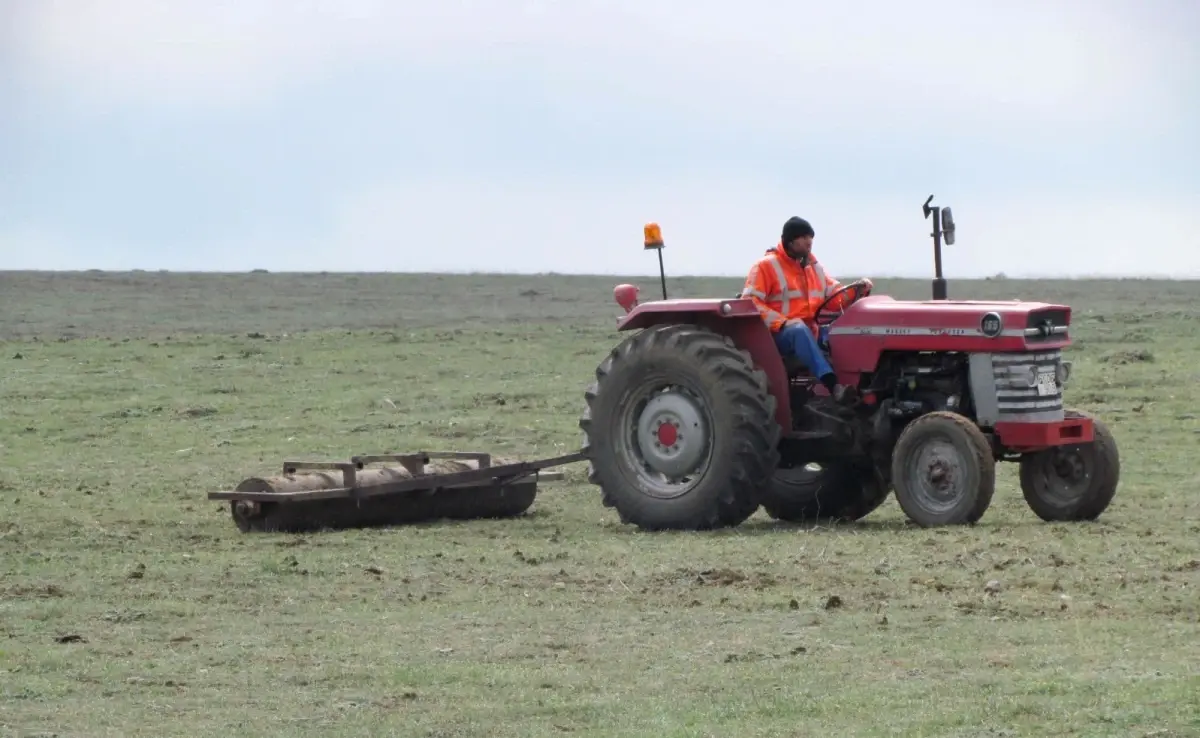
[[834, 493], [943, 470], [679, 430], [1072, 483]]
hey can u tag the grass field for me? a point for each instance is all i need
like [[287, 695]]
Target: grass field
[[131, 606]]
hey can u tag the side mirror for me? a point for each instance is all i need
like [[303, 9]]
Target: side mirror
[[948, 226]]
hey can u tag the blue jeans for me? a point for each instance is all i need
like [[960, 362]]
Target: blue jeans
[[795, 339]]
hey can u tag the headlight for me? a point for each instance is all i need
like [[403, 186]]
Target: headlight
[[1064, 371]]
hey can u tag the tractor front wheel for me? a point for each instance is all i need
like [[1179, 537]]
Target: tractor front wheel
[[835, 493], [1072, 483], [943, 470], [679, 430]]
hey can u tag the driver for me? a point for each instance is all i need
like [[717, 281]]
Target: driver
[[788, 285]]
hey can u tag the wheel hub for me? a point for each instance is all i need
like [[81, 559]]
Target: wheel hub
[[672, 434], [939, 473], [1065, 475], [1069, 467]]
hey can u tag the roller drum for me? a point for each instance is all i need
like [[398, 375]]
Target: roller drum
[[479, 501]]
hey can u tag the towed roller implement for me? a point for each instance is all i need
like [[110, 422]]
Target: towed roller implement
[[388, 489]]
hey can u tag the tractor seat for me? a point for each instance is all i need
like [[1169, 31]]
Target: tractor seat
[[795, 369]]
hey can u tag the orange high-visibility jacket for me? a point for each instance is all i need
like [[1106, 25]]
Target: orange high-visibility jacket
[[783, 290]]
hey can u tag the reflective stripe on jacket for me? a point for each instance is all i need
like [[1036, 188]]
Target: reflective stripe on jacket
[[783, 290]]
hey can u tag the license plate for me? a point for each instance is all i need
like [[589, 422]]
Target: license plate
[[1047, 384]]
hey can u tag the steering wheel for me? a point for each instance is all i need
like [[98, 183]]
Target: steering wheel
[[861, 289]]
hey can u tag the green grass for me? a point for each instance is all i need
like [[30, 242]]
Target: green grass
[[124, 399]]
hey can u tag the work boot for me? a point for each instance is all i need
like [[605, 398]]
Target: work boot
[[844, 395], [839, 393]]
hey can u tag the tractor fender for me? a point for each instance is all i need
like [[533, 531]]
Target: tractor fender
[[736, 318]]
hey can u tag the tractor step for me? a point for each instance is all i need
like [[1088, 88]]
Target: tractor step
[[808, 435], [389, 489]]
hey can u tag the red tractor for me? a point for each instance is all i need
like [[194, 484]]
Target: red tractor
[[696, 420]]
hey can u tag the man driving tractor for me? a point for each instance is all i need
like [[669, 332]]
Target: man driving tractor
[[788, 285]]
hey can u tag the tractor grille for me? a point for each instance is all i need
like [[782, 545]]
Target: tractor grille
[[1016, 378]]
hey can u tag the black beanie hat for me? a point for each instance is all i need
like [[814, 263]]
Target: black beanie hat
[[796, 228]]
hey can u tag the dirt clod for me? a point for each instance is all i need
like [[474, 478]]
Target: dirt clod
[[1128, 356], [723, 577]]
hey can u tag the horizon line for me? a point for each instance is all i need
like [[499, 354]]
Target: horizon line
[[999, 276]]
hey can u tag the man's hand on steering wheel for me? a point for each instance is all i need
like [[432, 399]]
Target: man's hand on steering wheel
[[856, 290]]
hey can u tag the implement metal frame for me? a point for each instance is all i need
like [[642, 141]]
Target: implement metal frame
[[486, 475]]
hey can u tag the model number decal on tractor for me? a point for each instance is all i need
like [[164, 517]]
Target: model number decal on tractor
[[885, 330], [991, 325]]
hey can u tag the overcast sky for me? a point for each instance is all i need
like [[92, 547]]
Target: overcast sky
[[539, 135]]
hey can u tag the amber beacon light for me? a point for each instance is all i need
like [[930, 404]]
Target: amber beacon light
[[652, 239], [652, 236]]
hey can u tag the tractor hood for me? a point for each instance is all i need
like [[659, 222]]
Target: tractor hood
[[883, 315]]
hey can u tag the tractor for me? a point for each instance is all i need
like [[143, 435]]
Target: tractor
[[695, 420]]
